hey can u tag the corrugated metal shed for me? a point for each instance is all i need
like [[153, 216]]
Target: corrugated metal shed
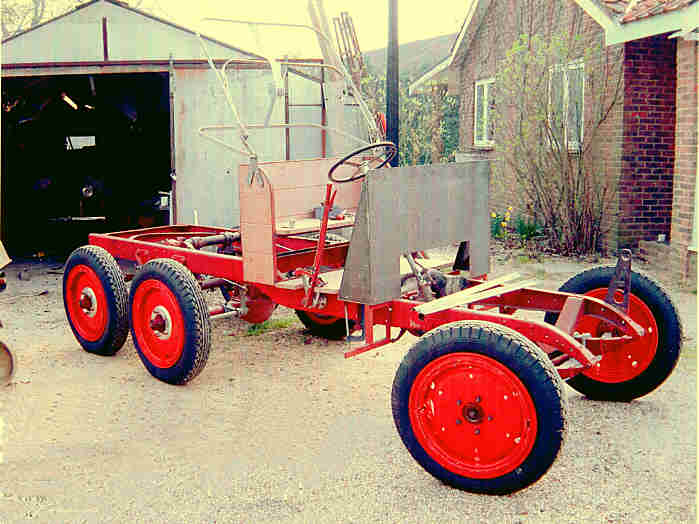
[[106, 46], [104, 30]]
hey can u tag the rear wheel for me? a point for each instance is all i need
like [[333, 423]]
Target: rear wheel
[[479, 407], [95, 300], [170, 322], [332, 328], [634, 369]]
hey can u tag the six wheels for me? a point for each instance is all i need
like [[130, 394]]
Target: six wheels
[[95, 300], [332, 328], [479, 407], [638, 368], [170, 323]]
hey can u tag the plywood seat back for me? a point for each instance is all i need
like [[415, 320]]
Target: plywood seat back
[[291, 190]]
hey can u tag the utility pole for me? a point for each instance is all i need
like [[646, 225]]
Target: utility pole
[[392, 120]]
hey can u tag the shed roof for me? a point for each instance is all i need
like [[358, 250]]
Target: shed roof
[[110, 30]]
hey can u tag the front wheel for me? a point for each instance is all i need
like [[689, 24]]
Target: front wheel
[[170, 323], [637, 368], [479, 407]]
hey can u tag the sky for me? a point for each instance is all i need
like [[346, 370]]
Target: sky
[[416, 21]]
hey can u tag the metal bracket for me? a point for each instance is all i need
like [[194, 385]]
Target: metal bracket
[[620, 282], [254, 171], [356, 338]]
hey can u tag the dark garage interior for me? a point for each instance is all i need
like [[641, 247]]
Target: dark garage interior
[[82, 154]]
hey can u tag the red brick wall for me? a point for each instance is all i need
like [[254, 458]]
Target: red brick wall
[[645, 186], [674, 258], [686, 144]]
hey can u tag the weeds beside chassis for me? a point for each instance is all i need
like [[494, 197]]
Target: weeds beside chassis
[[478, 400]]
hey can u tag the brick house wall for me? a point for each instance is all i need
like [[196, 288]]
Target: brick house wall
[[648, 157], [647, 143], [674, 256], [500, 23]]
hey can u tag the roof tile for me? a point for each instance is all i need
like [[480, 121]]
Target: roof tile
[[631, 10]]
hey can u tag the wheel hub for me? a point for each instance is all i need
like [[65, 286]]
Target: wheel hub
[[161, 322], [88, 302], [473, 413]]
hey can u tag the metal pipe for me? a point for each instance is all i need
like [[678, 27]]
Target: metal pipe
[[364, 109], [392, 93], [213, 282], [213, 240], [224, 127]]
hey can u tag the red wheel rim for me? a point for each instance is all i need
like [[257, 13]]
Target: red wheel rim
[[86, 302], [472, 415], [630, 360], [323, 320], [158, 323]]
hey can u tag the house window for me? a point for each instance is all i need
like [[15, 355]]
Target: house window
[[566, 104], [484, 113]]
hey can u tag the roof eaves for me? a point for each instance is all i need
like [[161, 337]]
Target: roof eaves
[[598, 14], [449, 60], [432, 74], [684, 19]]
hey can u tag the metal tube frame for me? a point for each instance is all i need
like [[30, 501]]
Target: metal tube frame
[[248, 150]]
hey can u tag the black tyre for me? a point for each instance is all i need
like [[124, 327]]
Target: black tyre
[[170, 323], [480, 407], [7, 365], [332, 328], [95, 300], [638, 368]]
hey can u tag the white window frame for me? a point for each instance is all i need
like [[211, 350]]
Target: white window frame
[[487, 141], [573, 145]]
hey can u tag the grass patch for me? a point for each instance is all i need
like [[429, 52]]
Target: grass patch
[[269, 325]]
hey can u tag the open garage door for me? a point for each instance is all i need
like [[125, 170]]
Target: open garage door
[[81, 154]]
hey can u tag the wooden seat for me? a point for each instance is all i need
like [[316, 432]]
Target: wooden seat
[[309, 225], [333, 278]]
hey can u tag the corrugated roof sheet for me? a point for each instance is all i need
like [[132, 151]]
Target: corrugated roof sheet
[[625, 11]]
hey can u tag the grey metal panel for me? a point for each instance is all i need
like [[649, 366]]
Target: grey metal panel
[[77, 37], [132, 36], [305, 142], [68, 39], [207, 172], [303, 90], [409, 209]]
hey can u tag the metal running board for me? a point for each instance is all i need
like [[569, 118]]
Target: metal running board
[[469, 296]]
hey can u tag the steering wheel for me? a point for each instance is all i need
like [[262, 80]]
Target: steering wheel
[[385, 151]]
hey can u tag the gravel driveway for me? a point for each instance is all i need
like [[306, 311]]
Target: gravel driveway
[[279, 427]]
